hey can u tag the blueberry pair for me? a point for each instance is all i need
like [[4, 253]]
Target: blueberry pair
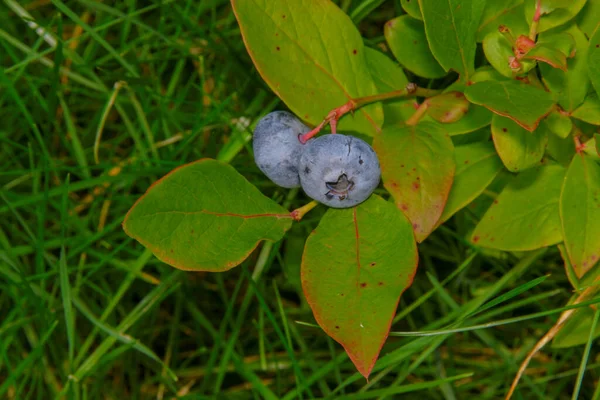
[[337, 170]]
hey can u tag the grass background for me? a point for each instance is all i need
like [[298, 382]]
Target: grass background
[[88, 313]]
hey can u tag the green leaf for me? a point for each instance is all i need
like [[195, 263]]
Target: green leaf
[[388, 76], [576, 330], [205, 216], [312, 56], [525, 215], [594, 60], [406, 38], [561, 150], [417, 166], [498, 51], [518, 148], [523, 103], [509, 13], [571, 87], [588, 18], [447, 108], [355, 266], [554, 13], [477, 165], [559, 124], [451, 27], [589, 111], [412, 8], [580, 213]]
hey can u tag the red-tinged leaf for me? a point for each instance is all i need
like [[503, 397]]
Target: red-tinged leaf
[[355, 267], [549, 55], [508, 13], [205, 216], [589, 111], [477, 164], [312, 56], [498, 51], [417, 166], [518, 148], [523, 103], [580, 213], [406, 38], [451, 28], [525, 215]]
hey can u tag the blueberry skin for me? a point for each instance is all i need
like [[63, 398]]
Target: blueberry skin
[[339, 170], [277, 148]]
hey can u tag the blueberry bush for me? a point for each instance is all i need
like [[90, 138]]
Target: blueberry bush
[[461, 99]]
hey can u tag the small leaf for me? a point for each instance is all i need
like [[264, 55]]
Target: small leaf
[[525, 215], [508, 13], [498, 51], [561, 150], [451, 27], [312, 56], [412, 8], [553, 15], [406, 38], [476, 167], [388, 76], [355, 266], [417, 166], [549, 55], [571, 87], [559, 124], [518, 148], [205, 216], [576, 330], [594, 60], [591, 147], [588, 18], [589, 111], [448, 107], [525, 104], [580, 213]]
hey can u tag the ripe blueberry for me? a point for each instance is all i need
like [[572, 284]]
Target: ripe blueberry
[[339, 170], [277, 148]]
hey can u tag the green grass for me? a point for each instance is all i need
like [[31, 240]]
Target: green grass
[[105, 98]]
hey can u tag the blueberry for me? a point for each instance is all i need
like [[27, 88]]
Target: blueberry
[[277, 148], [339, 170]]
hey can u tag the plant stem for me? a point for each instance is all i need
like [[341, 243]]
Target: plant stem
[[411, 90], [298, 213], [416, 117], [536, 20]]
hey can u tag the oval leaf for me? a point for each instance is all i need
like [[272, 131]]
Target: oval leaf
[[589, 111], [554, 13], [451, 27], [417, 166], [594, 60], [559, 124], [412, 8], [580, 213], [388, 76], [518, 148], [571, 86], [525, 215], [477, 164], [406, 38], [355, 266], [310, 65], [498, 51], [524, 104], [205, 216], [509, 13]]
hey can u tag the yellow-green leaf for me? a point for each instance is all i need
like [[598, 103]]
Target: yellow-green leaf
[[525, 215], [205, 216], [580, 213], [312, 56]]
